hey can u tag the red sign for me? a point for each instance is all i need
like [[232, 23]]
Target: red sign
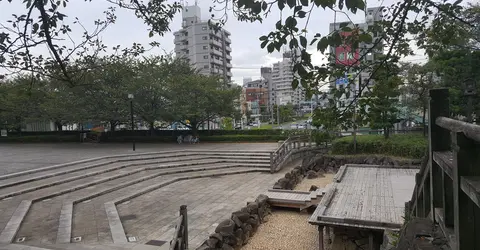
[[344, 54]]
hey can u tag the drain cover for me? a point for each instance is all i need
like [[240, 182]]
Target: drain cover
[[155, 243], [87, 201], [77, 239], [21, 239], [125, 203], [132, 239], [46, 200], [128, 217]]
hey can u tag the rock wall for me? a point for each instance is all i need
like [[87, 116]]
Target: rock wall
[[320, 164], [235, 232]]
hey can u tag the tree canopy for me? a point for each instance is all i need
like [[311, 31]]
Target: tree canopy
[[164, 89]]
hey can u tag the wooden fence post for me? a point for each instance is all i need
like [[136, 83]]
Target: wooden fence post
[[183, 213], [466, 160], [439, 140]]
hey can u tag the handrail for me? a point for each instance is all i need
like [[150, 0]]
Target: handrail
[[447, 188], [281, 153], [470, 130], [180, 236]]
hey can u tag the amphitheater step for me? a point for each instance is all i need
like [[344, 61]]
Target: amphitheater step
[[41, 222]]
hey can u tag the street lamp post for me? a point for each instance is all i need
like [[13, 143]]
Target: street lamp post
[[130, 96]]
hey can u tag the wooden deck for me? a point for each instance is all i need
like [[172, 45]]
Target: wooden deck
[[368, 197], [294, 199]]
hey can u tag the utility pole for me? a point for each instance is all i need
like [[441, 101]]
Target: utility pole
[[355, 111]]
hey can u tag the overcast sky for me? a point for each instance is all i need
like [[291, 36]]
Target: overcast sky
[[247, 55]]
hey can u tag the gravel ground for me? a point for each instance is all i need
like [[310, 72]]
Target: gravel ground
[[286, 229], [319, 182]]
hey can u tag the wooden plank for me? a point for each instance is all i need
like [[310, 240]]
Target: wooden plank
[[444, 159], [360, 223], [341, 171], [471, 186], [176, 235], [287, 191], [447, 231]]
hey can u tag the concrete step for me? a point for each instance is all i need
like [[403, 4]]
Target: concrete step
[[84, 168], [41, 222], [81, 210]]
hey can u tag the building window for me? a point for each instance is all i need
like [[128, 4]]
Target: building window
[[204, 38], [205, 66], [205, 57], [204, 27], [205, 47]]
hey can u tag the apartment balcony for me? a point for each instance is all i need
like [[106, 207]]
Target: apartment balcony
[[228, 65], [228, 57], [228, 40], [217, 61], [216, 71], [229, 74], [228, 48], [216, 52], [216, 43]]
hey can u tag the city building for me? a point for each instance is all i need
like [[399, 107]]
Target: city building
[[367, 52], [256, 95], [246, 79], [282, 77], [207, 49]]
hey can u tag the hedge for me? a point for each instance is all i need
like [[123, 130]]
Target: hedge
[[410, 146], [41, 138], [144, 139]]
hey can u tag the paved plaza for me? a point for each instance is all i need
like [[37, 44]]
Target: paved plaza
[[68, 204]]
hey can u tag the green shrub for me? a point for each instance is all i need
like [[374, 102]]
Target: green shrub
[[41, 138], [411, 146], [243, 138]]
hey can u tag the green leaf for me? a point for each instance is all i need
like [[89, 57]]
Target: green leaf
[[322, 44], [270, 47], [150, 34], [263, 44], [281, 4], [302, 14], [263, 38], [303, 41], [278, 25], [366, 38], [291, 22], [293, 43], [347, 29], [340, 4], [304, 2], [295, 83], [264, 6], [35, 28], [291, 3]]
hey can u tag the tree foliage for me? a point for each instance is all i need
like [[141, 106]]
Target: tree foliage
[[164, 89], [379, 106]]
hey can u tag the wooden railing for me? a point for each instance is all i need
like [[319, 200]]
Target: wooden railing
[[180, 237], [280, 155], [447, 189]]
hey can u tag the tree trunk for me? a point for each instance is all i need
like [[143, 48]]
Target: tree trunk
[[113, 124], [424, 111], [152, 128], [194, 127], [386, 132], [59, 126]]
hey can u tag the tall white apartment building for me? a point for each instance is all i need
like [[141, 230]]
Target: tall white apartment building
[[207, 49], [282, 77]]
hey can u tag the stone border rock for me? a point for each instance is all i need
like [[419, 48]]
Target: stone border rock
[[235, 232], [316, 165]]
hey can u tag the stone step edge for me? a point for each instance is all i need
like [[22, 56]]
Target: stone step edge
[[7, 176], [108, 163], [11, 229], [31, 189], [65, 225], [116, 227]]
